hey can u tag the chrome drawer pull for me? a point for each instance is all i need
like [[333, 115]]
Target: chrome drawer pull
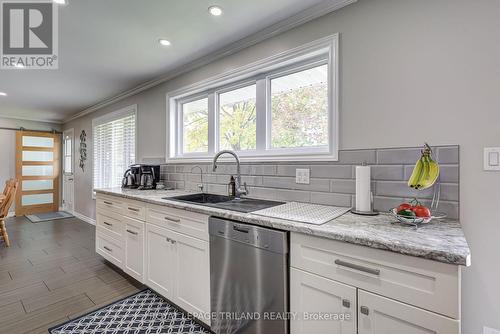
[[132, 232], [105, 223], [364, 310], [346, 303], [108, 203], [108, 249], [135, 210], [358, 267], [175, 220]]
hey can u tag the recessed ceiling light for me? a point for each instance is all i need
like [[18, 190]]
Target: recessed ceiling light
[[59, 2], [215, 10], [3, 94], [164, 42]]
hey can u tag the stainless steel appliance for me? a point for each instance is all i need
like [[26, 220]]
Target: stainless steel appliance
[[131, 177], [249, 278]]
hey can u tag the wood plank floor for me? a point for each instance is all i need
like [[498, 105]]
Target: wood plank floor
[[51, 273]]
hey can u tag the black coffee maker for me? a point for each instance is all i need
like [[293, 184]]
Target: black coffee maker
[[149, 176], [141, 176]]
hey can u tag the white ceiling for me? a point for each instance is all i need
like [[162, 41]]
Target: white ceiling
[[107, 47]]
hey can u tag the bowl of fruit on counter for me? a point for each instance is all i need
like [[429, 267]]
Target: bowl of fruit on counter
[[414, 213]]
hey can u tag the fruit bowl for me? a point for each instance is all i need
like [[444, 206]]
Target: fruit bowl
[[415, 221]]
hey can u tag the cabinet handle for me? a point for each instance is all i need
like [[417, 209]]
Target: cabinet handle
[[132, 209], [173, 241], [108, 249], [108, 203], [175, 220], [132, 232], [168, 239], [105, 223], [346, 303], [364, 310], [357, 267]]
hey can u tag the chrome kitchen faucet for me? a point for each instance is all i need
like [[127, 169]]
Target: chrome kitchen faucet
[[239, 189]]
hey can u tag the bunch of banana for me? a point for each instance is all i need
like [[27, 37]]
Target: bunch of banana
[[425, 173]]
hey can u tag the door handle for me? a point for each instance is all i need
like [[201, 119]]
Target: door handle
[[357, 267], [108, 249], [364, 310], [346, 303], [175, 220], [132, 232]]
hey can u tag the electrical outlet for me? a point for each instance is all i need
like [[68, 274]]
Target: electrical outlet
[[302, 175], [488, 330]]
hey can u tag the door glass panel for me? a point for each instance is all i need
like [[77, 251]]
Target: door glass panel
[[37, 199], [67, 165], [38, 156], [38, 185], [38, 141], [38, 170]]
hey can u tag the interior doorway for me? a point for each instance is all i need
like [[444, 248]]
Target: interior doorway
[[68, 203], [37, 169]]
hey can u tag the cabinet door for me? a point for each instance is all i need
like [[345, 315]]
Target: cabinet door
[[134, 249], [380, 315], [160, 260], [192, 283], [312, 297]]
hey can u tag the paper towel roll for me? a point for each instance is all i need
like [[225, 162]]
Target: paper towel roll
[[363, 188]]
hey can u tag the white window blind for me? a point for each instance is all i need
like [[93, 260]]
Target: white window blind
[[114, 147]]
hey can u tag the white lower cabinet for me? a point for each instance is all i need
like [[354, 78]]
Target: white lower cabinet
[[192, 270], [313, 296], [380, 315], [160, 260], [134, 248]]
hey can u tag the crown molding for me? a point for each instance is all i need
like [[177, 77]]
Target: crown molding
[[31, 119], [307, 15]]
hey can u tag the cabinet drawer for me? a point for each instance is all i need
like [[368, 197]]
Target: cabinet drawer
[[190, 223], [379, 315], [109, 203], [133, 263], [427, 284], [134, 209], [110, 224], [109, 248]]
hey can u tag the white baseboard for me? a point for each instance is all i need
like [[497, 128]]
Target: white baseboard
[[84, 218]]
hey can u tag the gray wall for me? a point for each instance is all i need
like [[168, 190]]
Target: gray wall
[[411, 71]]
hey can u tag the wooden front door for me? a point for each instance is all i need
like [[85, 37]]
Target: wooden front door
[[37, 169]]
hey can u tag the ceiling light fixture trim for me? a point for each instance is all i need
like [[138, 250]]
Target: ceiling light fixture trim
[[215, 10]]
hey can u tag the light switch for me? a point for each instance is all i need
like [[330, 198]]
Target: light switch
[[492, 158], [302, 175]]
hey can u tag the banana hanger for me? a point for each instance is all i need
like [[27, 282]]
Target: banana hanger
[[437, 186]]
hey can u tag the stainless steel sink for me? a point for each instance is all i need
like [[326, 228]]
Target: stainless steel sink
[[225, 202]]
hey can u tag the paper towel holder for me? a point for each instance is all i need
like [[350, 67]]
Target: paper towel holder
[[372, 212]]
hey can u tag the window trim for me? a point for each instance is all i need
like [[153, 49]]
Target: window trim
[[109, 117], [306, 56], [72, 131]]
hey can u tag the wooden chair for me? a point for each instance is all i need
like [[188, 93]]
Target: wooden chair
[[5, 206], [5, 190]]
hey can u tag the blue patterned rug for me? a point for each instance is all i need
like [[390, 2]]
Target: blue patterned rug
[[142, 313]]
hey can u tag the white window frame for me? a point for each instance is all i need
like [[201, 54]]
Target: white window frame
[[322, 51], [109, 117]]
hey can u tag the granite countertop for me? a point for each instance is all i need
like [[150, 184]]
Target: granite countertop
[[441, 241]]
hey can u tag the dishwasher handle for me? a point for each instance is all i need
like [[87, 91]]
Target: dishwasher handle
[[241, 229]]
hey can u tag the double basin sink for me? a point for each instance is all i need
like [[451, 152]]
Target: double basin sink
[[225, 202]]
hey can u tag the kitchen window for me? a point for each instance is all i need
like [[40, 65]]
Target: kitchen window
[[282, 108], [114, 143]]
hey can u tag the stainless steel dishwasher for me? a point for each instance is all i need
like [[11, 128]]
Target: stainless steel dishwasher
[[248, 278]]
